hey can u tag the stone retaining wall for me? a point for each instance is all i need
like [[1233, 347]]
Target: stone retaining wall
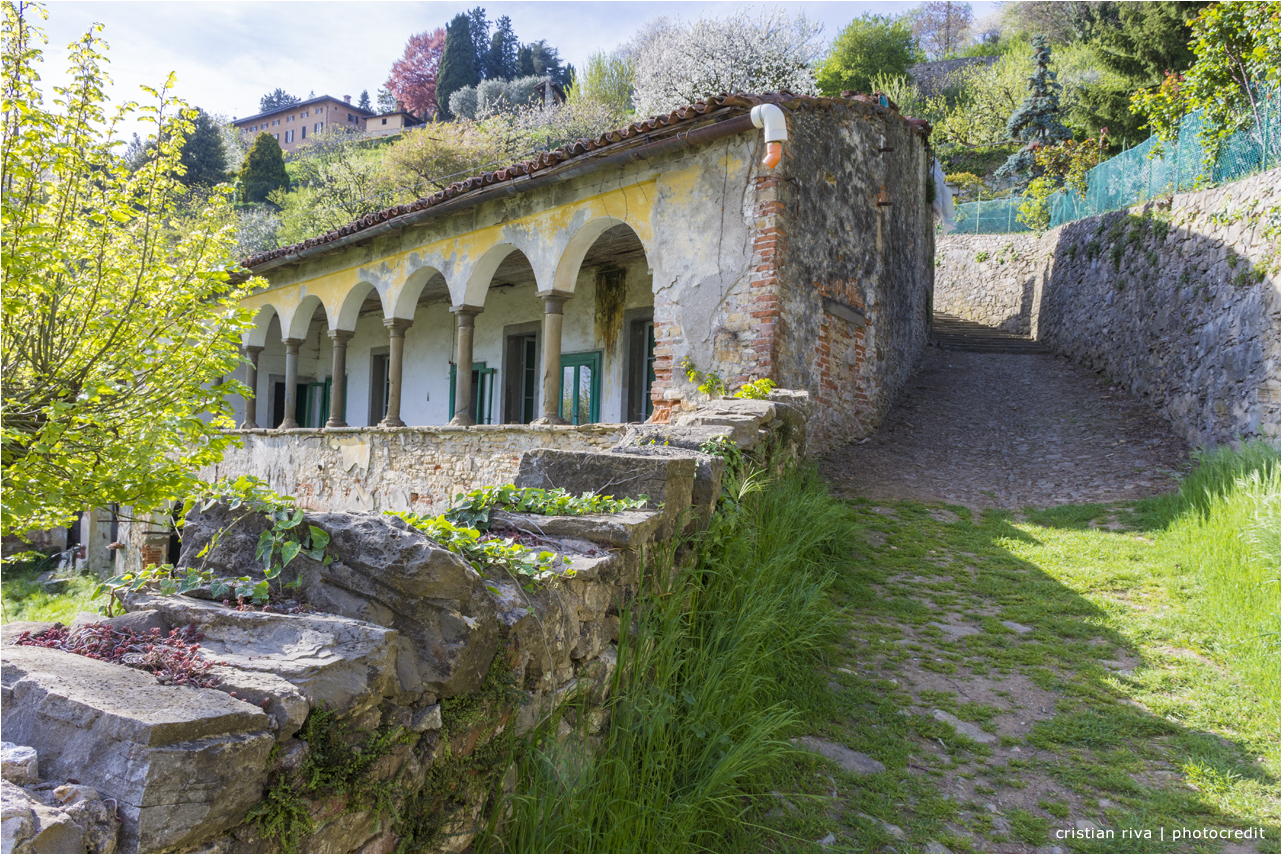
[[418, 469], [399, 647], [1177, 300]]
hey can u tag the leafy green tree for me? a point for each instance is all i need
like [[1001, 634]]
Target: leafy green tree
[[458, 62], [1036, 122], [868, 46], [500, 59], [263, 170], [118, 313], [1236, 45], [1138, 43], [334, 183], [276, 100], [607, 79], [202, 153]]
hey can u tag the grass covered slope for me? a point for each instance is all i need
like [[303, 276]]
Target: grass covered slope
[[707, 682], [1116, 657]]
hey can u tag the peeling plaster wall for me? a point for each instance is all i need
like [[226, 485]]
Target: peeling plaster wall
[[797, 275]]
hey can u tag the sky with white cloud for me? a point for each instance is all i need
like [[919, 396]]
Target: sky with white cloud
[[226, 55]]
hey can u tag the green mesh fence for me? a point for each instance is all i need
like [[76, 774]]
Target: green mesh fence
[[1134, 176]]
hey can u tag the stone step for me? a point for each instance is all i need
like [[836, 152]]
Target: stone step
[[180, 762], [954, 333]]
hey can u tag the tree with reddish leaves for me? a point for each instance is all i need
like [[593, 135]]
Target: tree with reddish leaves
[[413, 76]]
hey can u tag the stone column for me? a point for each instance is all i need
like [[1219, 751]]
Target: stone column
[[291, 382], [251, 380], [396, 328], [337, 388], [463, 368], [553, 303]]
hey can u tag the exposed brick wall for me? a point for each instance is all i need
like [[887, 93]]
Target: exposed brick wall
[[769, 248]]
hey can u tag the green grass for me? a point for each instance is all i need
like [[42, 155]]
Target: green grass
[[24, 599], [1222, 541], [1151, 641], [705, 688]]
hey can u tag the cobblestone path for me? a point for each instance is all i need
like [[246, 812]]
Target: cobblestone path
[[1010, 430]]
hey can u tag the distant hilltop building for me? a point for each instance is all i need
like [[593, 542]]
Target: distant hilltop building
[[292, 125]]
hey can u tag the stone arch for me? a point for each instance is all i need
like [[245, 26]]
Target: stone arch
[[257, 335], [297, 324], [350, 307], [567, 268], [482, 274], [403, 302]]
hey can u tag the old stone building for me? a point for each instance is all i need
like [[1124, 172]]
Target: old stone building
[[572, 287]]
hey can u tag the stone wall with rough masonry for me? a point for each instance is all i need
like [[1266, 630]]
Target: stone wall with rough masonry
[[392, 645], [987, 279], [1177, 300]]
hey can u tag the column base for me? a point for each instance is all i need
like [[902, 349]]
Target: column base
[[462, 421], [247, 425], [288, 424], [335, 423], [391, 423], [549, 420]]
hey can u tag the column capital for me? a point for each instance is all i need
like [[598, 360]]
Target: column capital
[[293, 344], [341, 336], [466, 314], [254, 349], [397, 326], [553, 300]]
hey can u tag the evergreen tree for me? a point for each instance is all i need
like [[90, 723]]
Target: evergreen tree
[[363, 103], [202, 153], [525, 61], [1140, 42], [500, 61], [458, 62], [480, 25], [386, 100], [263, 170], [275, 100], [540, 58], [1036, 121]]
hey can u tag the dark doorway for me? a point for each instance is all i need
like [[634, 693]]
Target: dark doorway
[[379, 387], [640, 369], [522, 378]]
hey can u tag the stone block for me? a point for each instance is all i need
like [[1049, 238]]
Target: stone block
[[346, 665], [663, 481], [182, 763], [383, 572], [19, 764], [630, 529], [29, 825]]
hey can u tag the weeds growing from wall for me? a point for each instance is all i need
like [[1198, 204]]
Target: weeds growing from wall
[[700, 697]]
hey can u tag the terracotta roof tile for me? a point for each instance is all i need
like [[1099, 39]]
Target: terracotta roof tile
[[578, 148]]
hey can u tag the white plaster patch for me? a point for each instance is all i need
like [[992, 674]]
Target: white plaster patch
[[353, 451]]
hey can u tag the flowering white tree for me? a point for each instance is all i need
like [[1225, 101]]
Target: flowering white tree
[[680, 63]]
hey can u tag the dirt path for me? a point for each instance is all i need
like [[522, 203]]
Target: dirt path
[[1016, 682], [1010, 430]]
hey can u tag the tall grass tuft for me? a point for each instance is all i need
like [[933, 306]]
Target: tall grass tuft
[[1223, 540], [698, 707]]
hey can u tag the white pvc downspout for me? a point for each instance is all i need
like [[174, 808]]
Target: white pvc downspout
[[770, 117]]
